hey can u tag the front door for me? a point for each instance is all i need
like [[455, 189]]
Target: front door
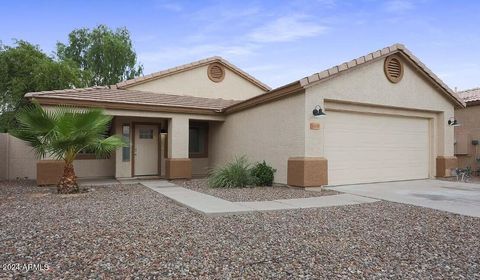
[[146, 150]]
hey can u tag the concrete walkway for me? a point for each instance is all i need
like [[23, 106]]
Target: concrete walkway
[[455, 197], [214, 206]]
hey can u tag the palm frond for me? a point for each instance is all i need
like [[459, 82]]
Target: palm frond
[[108, 145], [64, 131]]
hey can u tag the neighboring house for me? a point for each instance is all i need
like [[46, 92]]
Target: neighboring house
[[467, 135], [386, 119]]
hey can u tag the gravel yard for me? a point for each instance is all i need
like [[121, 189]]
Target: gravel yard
[[251, 194], [130, 231]]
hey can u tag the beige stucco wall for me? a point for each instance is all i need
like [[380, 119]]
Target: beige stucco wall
[[19, 161], [22, 162], [178, 130], [177, 126], [469, 118], [179, 142], [195, 82], [95, 168], [3, 156], [272, 132], [413, 96], [281, 129]]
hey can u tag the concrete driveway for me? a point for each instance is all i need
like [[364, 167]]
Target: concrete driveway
[[455, 197]]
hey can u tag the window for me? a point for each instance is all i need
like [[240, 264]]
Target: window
[[198, 140], [146, 133], [90, 153], [126, 137]]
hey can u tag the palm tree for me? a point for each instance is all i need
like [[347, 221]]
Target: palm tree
[[62, 133]]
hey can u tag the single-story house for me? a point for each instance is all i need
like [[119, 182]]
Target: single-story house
[[467, 134], [380, 117]]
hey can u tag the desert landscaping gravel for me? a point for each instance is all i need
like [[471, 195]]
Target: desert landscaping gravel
[[251, 193], [129, 231]]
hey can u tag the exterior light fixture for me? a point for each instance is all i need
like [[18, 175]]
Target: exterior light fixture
[[453, 122], [318, 112]]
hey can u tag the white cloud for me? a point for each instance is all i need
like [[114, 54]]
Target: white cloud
[[286, 29], [158, 60], [399, 6]]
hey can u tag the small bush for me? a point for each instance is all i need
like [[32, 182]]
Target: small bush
[[263, 174], [235, 174]]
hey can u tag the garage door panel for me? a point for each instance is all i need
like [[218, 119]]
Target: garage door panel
[[386, 137], [363, 148]]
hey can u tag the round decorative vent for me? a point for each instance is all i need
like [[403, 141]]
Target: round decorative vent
[[216, 72], [393, 69]]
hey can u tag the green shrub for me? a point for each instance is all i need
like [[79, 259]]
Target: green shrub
[[235, 174], [263, 174]]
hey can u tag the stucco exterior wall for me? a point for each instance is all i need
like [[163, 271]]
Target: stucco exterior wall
[[19, 162], [467, 153], [95, 168], [177, 143], [195, 82], [367, 86], [179, 148], [272, 132]]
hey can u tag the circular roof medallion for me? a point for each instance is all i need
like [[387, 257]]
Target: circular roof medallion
[[216, 72], [393, 69]]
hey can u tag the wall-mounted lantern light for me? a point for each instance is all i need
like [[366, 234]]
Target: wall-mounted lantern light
[[453, 122], [318, 112]]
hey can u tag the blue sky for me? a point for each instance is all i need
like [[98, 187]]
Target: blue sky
[[276, 41]]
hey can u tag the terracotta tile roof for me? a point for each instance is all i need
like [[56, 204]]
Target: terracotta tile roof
[[124, 96], [470, 95], [396, 48], [192, 65]]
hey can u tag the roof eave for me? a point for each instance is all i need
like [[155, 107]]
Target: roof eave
[[472, 103], [275, 94], [126, 106]]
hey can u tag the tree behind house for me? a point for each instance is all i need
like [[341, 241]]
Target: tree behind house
[[25, 68], [106, 56]]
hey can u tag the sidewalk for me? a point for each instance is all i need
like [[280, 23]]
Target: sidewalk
[[214, 206]]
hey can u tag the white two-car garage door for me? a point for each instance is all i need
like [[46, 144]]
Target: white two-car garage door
[[363, 148]]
